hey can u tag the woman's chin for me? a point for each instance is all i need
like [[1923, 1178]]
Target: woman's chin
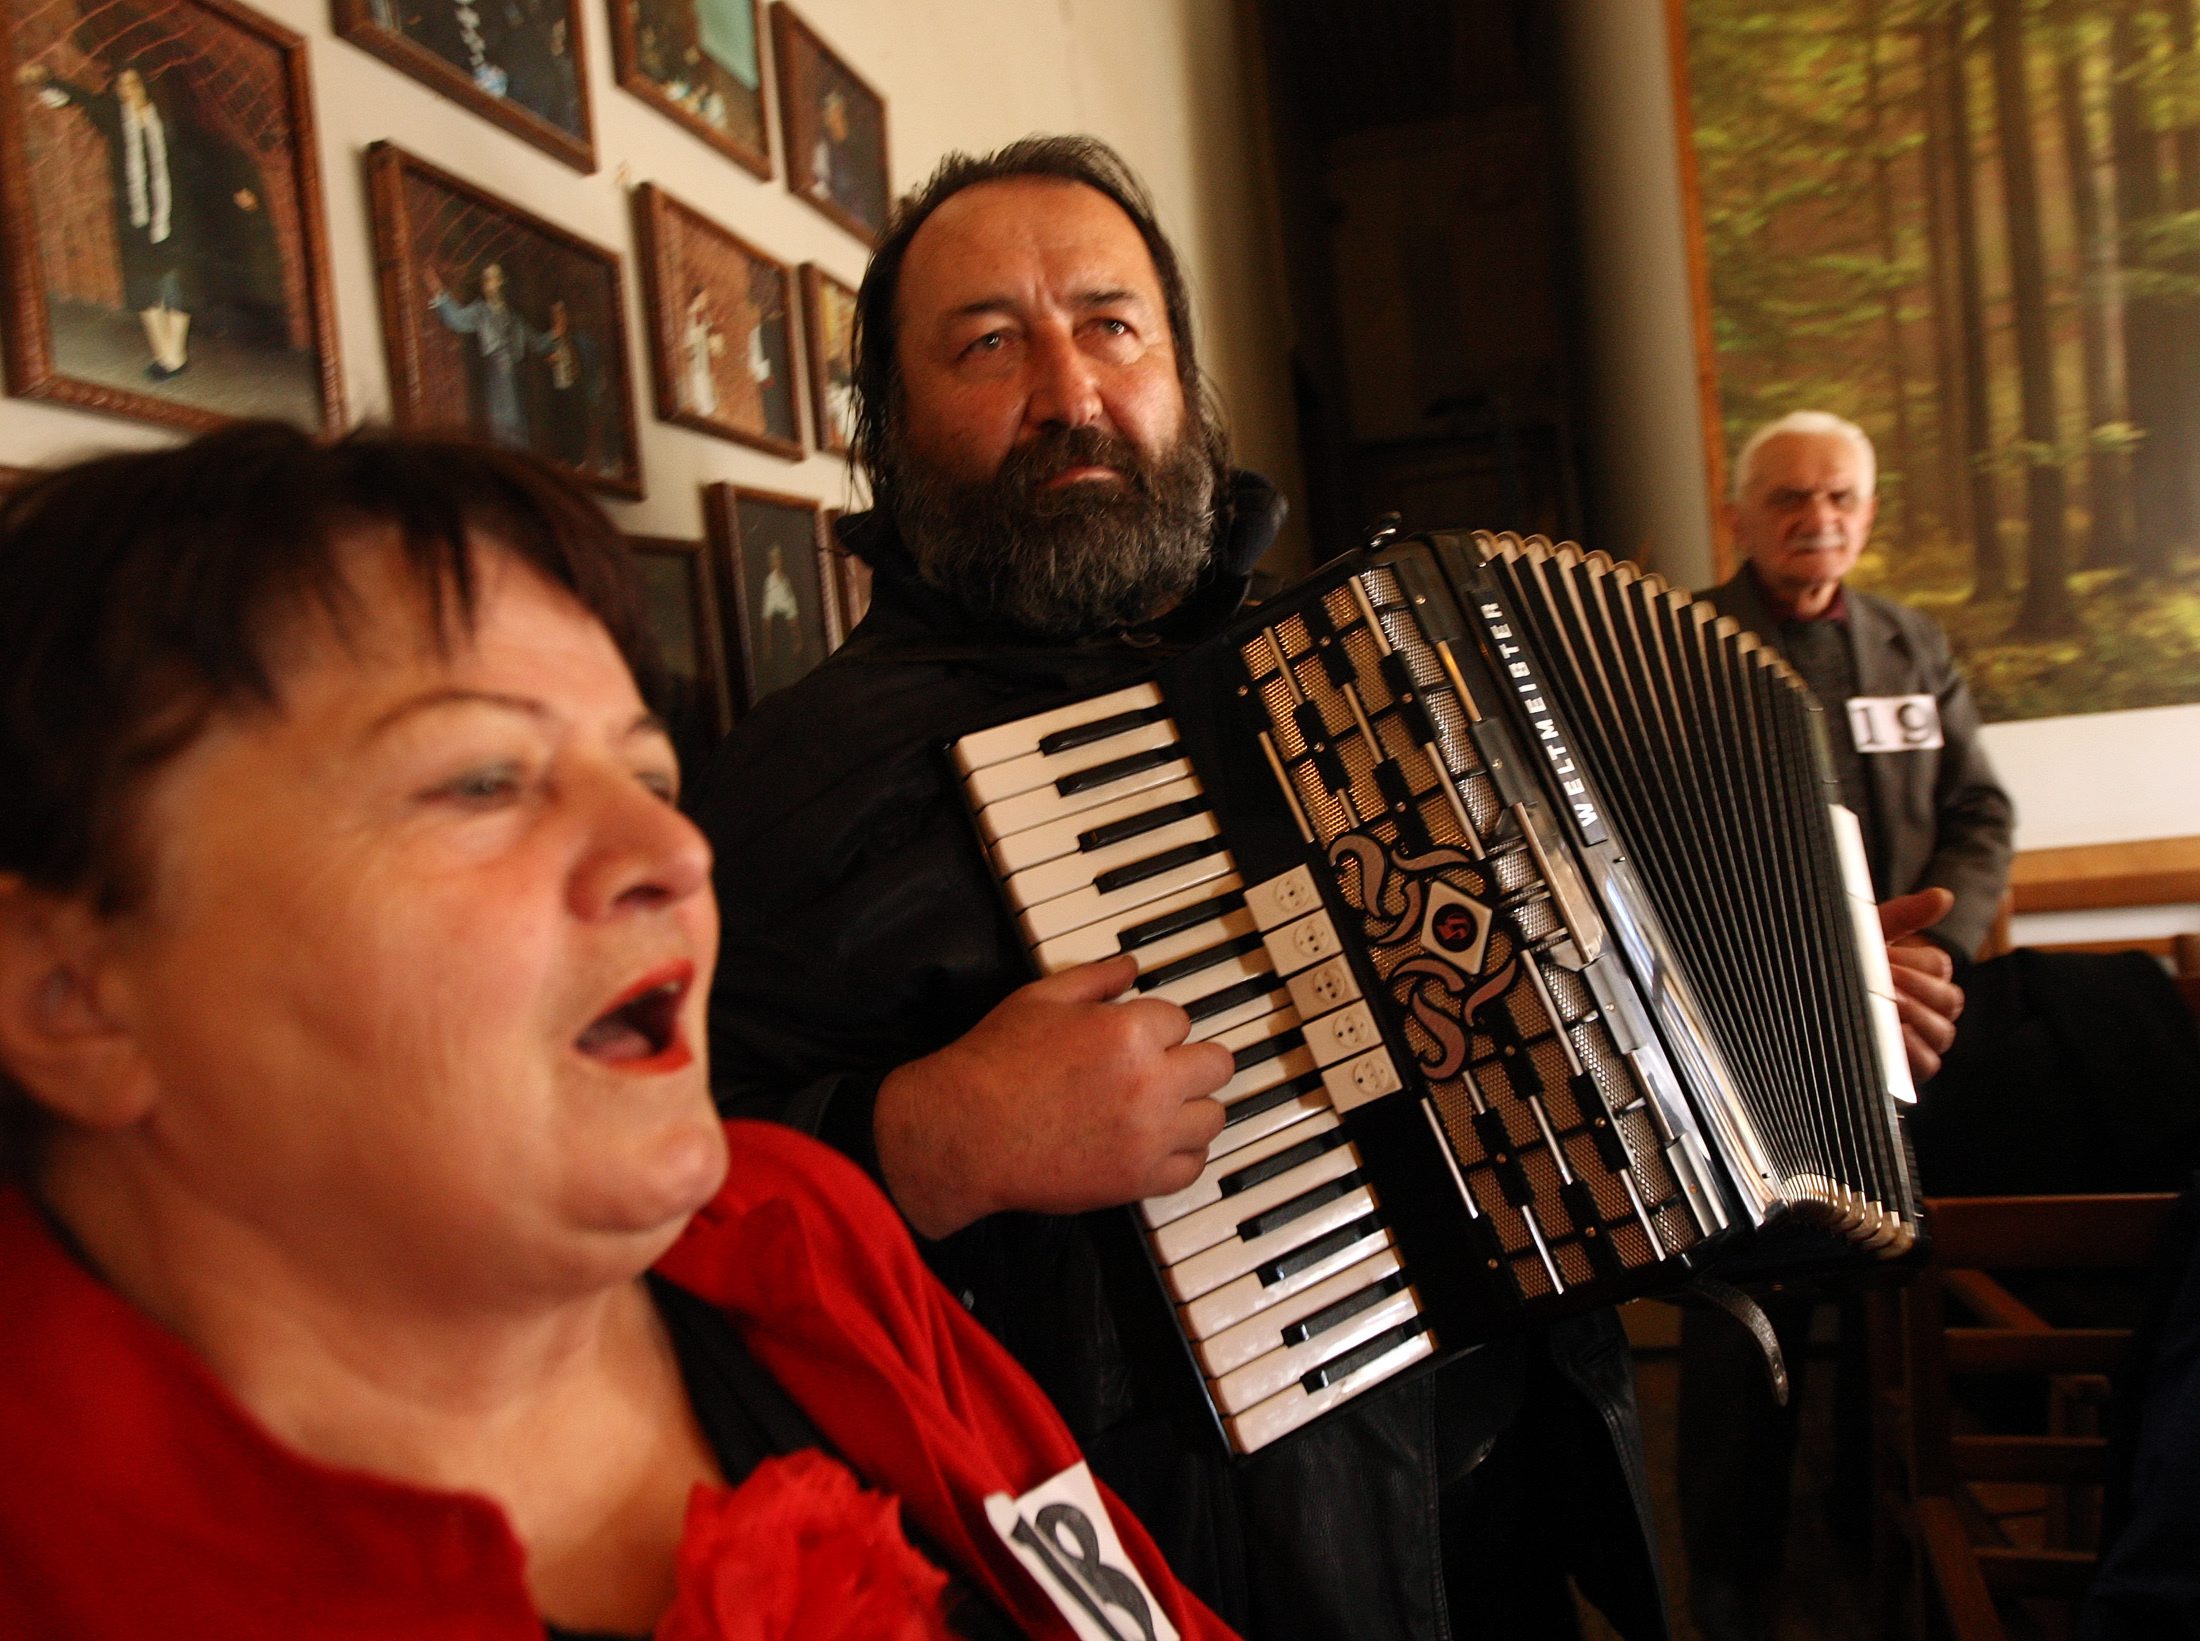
[[660, 1183]]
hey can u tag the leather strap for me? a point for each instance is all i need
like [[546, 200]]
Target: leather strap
[[1750, 1314]]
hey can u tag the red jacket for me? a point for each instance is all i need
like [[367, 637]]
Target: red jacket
[[138, 1499]]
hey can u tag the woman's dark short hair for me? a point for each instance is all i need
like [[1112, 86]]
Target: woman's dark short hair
[[141, 594], [1085, 160]]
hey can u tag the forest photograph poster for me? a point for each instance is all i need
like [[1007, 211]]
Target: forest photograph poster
[[1973, 226]]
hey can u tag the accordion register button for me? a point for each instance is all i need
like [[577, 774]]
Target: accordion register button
[[1341, 1035], [1356, 1082], [1329, 986], [1281, 899], [1295, 945]]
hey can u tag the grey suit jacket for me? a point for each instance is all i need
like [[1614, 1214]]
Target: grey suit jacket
[[1943, 819]]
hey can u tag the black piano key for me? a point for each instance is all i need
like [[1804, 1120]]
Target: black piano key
[[1205, 958], [1299, 1206], [1344, 1309], [1512, 1176], [1337, 1367], [1135, 935], [1313, 1253], [1221, 1002], [1121, 769], [1282, 1162], [1269, 1098], [1268, 1048], [1131, 826], [1596, 1111], [1581, 1208], [1419, 727], [1138, 871], [1100, 729]]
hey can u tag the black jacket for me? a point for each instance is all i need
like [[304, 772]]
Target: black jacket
[[1943, 819], [863, 929]]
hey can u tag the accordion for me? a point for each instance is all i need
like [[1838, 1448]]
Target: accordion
[[1520, 888]]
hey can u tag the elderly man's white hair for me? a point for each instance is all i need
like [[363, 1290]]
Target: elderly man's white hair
[[1805, 421]]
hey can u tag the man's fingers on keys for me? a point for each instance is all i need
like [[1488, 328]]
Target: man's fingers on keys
[[1090, 982], [1205, 1067], [1922, 989]]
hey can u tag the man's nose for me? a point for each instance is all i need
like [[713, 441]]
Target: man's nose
[[1065, 388]]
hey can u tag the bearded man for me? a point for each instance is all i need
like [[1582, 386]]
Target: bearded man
[[1055, 514]]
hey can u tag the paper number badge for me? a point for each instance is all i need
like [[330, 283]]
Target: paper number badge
[[1895, 723], [1060, 1531]]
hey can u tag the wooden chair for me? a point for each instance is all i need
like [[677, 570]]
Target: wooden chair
[[1945, 1544]]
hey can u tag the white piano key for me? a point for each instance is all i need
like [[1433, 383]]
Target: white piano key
[[992, 746], [1050, 840], [1342, 1035], [1281, 899], [1036, 770], [1117, 907], [1010, 816], [1286, 1411], [1036, 885], [1257, 1381], [1098, 940], [1262, 1333], [1226, 1261], [1232, 925], [1894, 1058], [1324, 987], [1262, 1123], [1159, 1211], [1205, 1227], [1244, 1297], [1205, 981], [1271, 1010], [1288, 1066], [1310, 940]]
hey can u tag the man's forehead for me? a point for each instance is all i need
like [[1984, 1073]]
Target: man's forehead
[[1791, 460], [993, 233]]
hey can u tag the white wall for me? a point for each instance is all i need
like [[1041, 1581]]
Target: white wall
[[1172, 83], [2102, 778]]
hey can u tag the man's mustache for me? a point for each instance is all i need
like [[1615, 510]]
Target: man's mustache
[[1057, 450]]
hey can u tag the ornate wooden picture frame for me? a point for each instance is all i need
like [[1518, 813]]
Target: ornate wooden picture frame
[[520, 63], [167, 257], [774, 574], [829, 318], [501, 323], [851, 578], [834, 124], [722, 337], [700, 63], [680, 605]]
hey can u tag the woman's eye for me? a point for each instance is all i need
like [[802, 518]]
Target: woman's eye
[[493, 783], [664, 782]]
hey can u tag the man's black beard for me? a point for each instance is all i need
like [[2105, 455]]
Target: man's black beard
[[1068, 562]]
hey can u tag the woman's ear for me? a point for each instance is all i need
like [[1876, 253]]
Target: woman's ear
[[61, 1037]]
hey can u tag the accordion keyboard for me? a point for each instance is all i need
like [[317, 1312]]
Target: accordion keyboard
[[1289, 1285]]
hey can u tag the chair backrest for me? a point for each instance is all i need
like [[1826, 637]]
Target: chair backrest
[[1961, 1320]]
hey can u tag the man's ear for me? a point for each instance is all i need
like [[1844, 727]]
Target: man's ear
[[60, 1036]]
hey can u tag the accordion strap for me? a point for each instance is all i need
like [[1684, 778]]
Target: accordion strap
[[1750, 1314]]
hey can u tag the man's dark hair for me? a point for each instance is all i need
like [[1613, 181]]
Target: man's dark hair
[[141, 594], [1085, 160]]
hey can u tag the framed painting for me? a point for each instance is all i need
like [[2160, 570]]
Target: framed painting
[[721, 327], [681, 609], [774, 575], [159, 178], [829, 310], [501, 323], [516, 62], [700, 63], [835, 129]]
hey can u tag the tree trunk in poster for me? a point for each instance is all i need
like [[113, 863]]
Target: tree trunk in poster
[[1905, 461], [1942, 291], [2108, 474], [1992, 577], [2149, 322], [2047, 610]]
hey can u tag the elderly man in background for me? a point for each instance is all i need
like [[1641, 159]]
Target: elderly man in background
[[1905, 738]]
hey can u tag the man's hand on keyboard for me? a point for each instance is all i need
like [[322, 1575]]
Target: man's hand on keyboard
[[1058, 1101]]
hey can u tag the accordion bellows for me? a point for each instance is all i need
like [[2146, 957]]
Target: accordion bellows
[[1519, 887]]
